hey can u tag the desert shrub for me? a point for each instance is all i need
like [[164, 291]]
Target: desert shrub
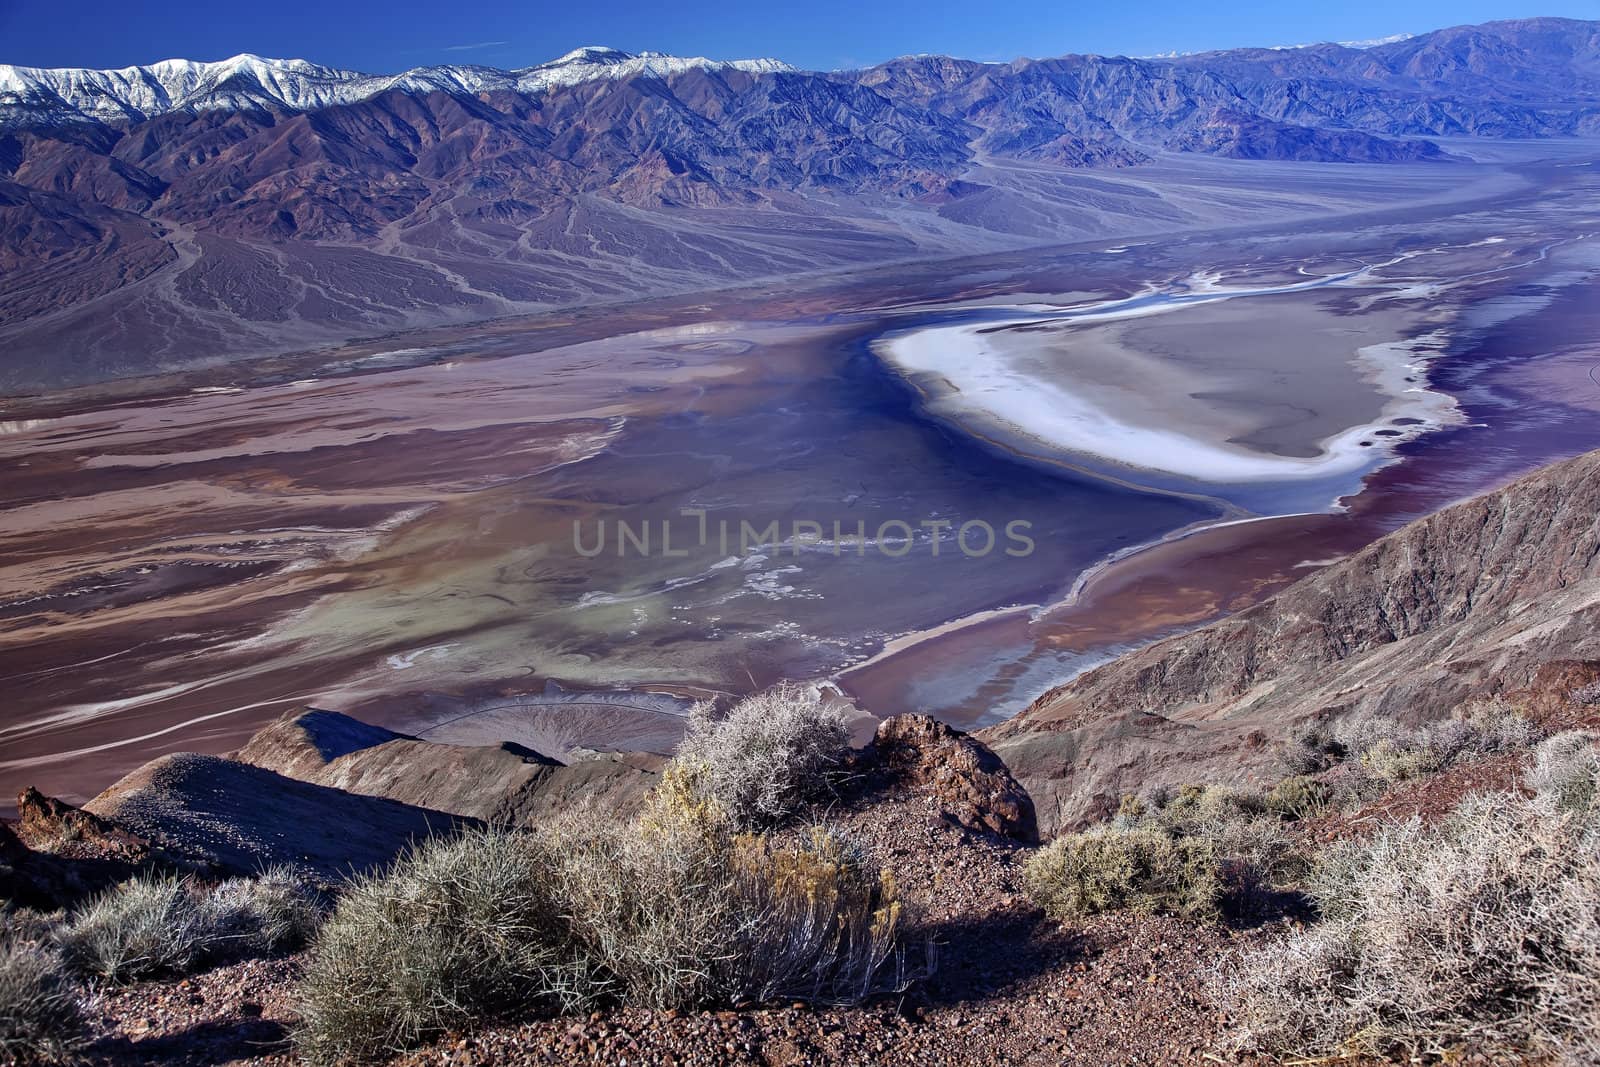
[[41, 1020], [1566, 771], [26, 924], [457, 931], [1385, 752], [1213, 803], [768, 754], [1299, 797], [1131, 811], [1311, 749], [685, 911], [1357, 734], [146, 926], [1193, 810], [1485, 729], [676, 909], [1483, 931], [1141, 870], [1255, 851], [154, 925], [1586, 695], [1185, 799], [272, 913], [1501, 727], [1392, 761], [821, 923], [1159, 796]]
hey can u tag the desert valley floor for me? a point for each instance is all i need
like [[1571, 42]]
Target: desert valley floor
[[388, 528]]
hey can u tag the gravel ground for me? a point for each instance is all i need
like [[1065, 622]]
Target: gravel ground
[[235, 1014], [1010, 987]]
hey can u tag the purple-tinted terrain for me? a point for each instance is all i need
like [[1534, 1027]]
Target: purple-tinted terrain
[[159, 217], [312, 374]]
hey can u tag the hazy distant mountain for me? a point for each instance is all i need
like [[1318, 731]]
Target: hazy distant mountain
[[567, 181]]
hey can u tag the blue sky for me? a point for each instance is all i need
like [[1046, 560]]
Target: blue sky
[[388, 35]]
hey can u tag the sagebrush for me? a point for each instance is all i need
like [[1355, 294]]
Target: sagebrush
[[154, 925], [1388, 752], [1244, 830], [459, 930], [1481, 932], [1141, 870], [676, 909], [41, 1020], [768, 754], [1299, 797], [1379, 751], [1566, 771], [684, 910]]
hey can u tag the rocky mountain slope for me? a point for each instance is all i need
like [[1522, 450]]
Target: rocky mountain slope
[[155, 216], [1494, 598], [1487, 598], [330, 796], [234, 817], [326, 794], [502, 784]]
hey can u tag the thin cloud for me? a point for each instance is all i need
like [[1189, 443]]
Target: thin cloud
[[473, 47]]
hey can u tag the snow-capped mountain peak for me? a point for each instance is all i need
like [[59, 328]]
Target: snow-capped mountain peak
[[173, 84], [594, 53], [595, 62], [249, 81]]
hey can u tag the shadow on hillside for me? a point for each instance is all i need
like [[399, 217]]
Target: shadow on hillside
[[1267, 907], [212, 1042], [979, 957]]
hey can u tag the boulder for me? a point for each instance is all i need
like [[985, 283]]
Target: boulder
[[968, 782]]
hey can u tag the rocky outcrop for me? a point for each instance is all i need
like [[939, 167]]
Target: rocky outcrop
[[57, 854], [1234, 135], [46, 824], [1471, 602], [968, 783], [504, 784], [33, 879]]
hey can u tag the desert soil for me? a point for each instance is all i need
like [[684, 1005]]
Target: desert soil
[[1010, 987]]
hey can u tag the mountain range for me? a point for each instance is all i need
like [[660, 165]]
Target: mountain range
[[133, 94], [157, 216]]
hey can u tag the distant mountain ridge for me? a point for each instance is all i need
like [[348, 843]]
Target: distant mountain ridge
[[157, 215], [1552, 62], [32, 94]]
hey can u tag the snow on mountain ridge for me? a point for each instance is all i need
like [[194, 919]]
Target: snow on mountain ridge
[[173, 84], [246, 80], [1371, 42], [589, 53]]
